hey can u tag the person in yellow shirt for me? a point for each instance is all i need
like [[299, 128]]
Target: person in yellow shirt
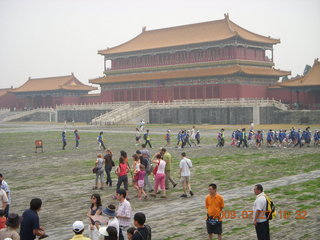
[[214, 203], [78, 228]]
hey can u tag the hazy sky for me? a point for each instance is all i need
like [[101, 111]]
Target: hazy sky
[[44, 38]]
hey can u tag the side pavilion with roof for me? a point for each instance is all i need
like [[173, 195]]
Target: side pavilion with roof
[[305, 90], [216, 59], [51, 91]]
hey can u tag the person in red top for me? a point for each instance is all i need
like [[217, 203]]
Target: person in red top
[[3, 219], [122, 171], [214, 204]]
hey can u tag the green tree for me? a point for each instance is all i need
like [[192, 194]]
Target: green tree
[[306, 69]]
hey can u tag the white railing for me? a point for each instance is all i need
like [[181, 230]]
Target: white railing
[[224, 102]]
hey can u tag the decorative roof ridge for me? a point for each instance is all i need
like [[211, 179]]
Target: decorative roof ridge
[[145, 31], [102, 50], [244, 29], [71, 75], [227, 20]]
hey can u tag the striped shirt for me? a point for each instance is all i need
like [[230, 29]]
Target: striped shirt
[[124, 209]]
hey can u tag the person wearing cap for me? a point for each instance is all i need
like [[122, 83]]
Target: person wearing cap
[[110, 211], [13, 222], [30, 225], [78, 228]]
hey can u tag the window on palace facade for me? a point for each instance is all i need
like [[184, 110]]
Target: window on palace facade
[[142, 94], [216, 92], [209, 91], [129, 95], [183, 92], [199, 92], [148, 93], [135, 94], [192, 92], [176, 93]]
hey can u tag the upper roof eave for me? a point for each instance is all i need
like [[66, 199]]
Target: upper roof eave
[[187, 35]]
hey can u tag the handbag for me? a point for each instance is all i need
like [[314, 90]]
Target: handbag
[[94, 170], [155, 170]]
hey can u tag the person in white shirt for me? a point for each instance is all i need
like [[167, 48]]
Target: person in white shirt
[[260, 220], [4, 199], [123, 213], [185, 165]]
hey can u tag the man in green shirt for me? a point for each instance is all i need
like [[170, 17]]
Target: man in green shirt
[[168, 159]]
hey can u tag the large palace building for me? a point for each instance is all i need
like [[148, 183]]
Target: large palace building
[[216, 59]]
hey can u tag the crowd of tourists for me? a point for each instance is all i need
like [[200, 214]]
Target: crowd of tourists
[[143, 175]]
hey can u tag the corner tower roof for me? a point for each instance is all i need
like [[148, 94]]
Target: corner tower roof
[[312, 78], [212, 31]]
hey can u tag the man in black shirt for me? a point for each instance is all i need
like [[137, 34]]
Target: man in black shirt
[[108, 166], [143, 232]]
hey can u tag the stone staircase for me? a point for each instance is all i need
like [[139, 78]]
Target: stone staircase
[[17, 115], [108, 118]]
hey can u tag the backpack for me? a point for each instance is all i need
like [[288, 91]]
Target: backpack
[[270, 209], [149, 168], [149, 232]]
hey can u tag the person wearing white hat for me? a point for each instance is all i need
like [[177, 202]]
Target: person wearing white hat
[[78, 228]]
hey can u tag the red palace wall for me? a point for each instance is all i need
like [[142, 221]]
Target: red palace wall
[[282, 94], [8, 100], [90, 99], [165, 94]]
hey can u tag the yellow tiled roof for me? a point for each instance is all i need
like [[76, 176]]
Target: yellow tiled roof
[[312, 78], [69, 82], [188, 34], [190, 73], [3, 91]]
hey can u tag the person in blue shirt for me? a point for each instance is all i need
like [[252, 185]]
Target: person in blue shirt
[[307, 137], [220, 138], [30, 225], [198, 137], [316, 137], [270, 138], [179, 138], [100, 141], [292, 136], [243, 138], [77, 138], [64, 140], [298, 138]]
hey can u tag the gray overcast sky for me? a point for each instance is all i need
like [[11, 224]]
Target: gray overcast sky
[[44, 38]]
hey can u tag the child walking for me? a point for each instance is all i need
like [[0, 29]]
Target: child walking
[[140, 181]]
